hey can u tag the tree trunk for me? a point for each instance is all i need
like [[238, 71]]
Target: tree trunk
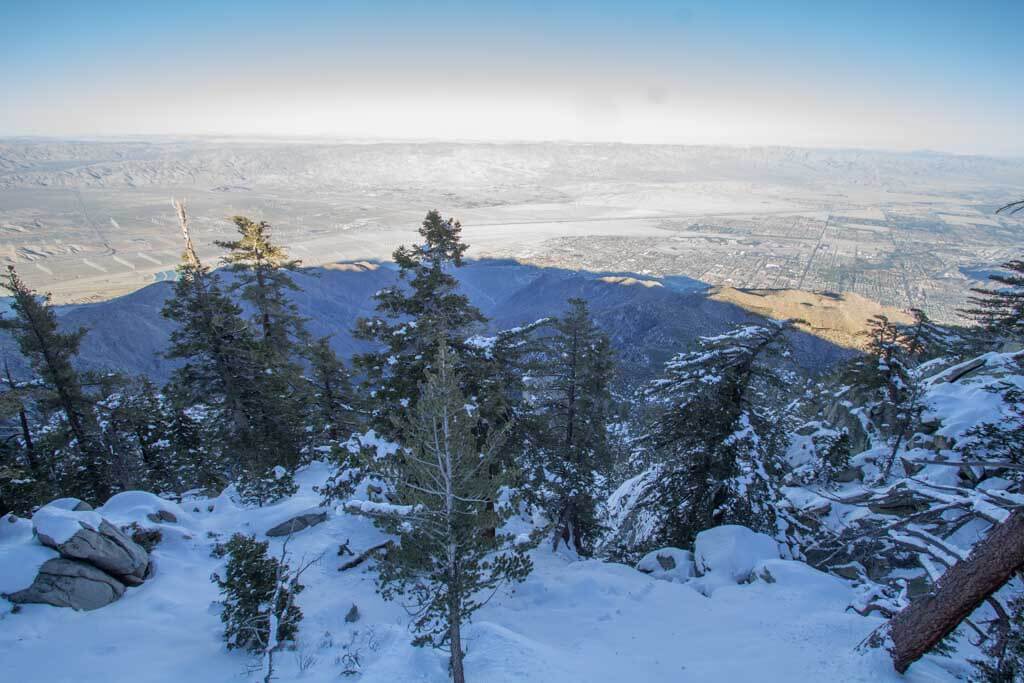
[[455, 641], [26, 433], [964, 586], [567, 527]]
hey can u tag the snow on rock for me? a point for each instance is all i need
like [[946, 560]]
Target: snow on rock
[[75, 504], [59, 524], [668, 564], [960, 405], [732, 552], [87, 536], [569, 621], [141, 507]]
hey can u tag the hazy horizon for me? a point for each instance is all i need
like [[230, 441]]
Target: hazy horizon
[[920, 76], [297, 139]]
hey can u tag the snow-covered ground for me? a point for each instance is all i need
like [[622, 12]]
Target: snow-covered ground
[[569, 621]]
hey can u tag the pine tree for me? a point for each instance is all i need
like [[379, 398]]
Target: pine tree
[[493, 373], [258, 595], [572, 385], [198, 461], [51, 354], [135, 424], [889, 370], [24, 482], [721, 434], [415, 317], [443, 490], [999, 309], [225, 370], [262, 275], [333, 401]]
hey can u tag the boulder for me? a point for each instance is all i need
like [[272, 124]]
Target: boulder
[[851, 571], [847, 475], [139, 507], [298, 523], [73, 504], [842, 415], [165, 516], [668, 564], [88, 537], [70, 583], [353, 614], [732, 552]]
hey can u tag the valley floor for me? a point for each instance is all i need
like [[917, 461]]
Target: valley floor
[[569, 621]]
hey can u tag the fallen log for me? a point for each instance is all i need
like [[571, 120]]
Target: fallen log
[[365, 555], [962, 588]]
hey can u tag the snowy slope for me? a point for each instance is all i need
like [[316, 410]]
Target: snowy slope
[[570, 620]]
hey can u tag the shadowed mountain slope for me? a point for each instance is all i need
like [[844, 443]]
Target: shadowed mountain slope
[[647, 319]]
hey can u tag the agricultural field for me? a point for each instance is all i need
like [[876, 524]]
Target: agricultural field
[[91, 220]]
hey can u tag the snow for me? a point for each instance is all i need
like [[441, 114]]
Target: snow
[[570, 621], [369, 507], [20, 554], [65, 503], [135, 506], [967, 402], [731, 552], [668, 564], [60, 525]]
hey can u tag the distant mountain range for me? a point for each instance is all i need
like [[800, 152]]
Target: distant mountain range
[[648, 319], [230, 165]]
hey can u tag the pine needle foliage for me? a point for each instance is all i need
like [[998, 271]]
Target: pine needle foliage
[[424, 308], [444, 492], [252, 580]]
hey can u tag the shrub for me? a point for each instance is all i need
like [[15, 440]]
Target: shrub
[[251, 580]]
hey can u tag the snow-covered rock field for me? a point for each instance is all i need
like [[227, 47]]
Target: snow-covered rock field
[[571, 620]]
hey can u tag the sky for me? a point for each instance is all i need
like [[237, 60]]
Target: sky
[[898, 74]]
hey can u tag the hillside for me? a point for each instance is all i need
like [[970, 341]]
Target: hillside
[[648, 321], [840, 318], [571, 620]]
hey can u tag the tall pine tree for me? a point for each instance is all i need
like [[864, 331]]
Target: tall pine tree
[[84, 466], [261, 269], [721, 434], [572, 388], [225, 370], [261, 272], [887, 377], [414, 317], [443, 488]]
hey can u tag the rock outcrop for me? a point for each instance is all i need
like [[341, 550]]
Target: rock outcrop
[[668, 564], [70, 583], [80, 559], [298, 523], [104, 547]]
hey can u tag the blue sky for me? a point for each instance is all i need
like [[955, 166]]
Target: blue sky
[[907, 75]]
